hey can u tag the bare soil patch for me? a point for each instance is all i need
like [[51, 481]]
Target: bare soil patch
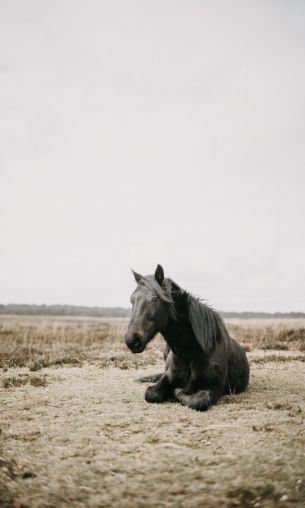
[[87, 437]]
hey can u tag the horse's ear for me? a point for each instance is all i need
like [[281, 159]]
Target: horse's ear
[[137, 276], [159, 274]]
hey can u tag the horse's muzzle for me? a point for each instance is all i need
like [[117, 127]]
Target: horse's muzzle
[[135, 342]]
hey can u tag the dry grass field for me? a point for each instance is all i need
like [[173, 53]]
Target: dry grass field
[[75, 430]]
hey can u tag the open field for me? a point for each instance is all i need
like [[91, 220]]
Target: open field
[[75, 429]]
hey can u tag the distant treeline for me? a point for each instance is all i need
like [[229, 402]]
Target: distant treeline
[[64, 310], [76, 310], [262, 315]]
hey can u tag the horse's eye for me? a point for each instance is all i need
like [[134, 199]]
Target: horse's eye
[[154, 299]]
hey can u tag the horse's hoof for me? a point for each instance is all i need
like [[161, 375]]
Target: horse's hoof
[[178, 391], [152, 395]]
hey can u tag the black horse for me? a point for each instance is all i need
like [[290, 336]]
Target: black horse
[[202, 362]]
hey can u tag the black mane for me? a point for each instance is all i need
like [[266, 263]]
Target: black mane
[[207, 325]]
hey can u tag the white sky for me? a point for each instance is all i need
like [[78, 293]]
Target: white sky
[[141, 132]]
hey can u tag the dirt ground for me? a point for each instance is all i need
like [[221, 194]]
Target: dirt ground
[[81, 435]]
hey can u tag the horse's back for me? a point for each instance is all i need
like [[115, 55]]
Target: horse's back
[[238, 369]]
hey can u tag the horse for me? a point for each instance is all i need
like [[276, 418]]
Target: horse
[[202, 361]]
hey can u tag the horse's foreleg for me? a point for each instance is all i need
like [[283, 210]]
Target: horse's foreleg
[[201, 400], [153, 378], [176, 373], [161, 391]]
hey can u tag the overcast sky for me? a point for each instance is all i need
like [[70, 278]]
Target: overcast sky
[[141, 132]]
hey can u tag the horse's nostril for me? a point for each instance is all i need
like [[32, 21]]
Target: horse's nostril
[[128, 340]]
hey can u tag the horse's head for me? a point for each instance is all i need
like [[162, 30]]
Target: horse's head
[[151, 308]]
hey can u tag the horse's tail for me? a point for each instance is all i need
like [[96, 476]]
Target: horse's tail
[[153, 378]]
